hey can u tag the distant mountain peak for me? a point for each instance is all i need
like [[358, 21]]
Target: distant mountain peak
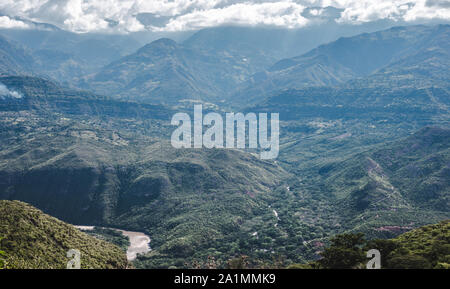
[[162, 42], [161, 46]]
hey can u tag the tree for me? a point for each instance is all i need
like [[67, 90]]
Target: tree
[[2, 258], [344, 253], [386, 247], [238, 263], [2, 261], [341, 258], [409, 262], [348, 241]]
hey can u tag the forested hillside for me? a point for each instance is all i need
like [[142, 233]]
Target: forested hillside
[[30, 239], [424, 248]]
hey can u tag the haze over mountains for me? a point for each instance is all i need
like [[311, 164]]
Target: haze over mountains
[[399, 54], [164, 71], [363, 145], [241, 51]]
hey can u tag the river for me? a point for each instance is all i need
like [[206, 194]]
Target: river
[[139, 242]]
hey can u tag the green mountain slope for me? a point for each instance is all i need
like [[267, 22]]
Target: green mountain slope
[[391, 189], [14, 59], [119, 170], [429, 242], [199, 68], [34, 240], [426, 247], [414, 168], [166, 72]]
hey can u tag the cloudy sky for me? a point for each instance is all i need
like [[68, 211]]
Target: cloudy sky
[[179, 15]]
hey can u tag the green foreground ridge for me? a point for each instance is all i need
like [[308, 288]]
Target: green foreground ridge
[[31, 239], [427, 247]]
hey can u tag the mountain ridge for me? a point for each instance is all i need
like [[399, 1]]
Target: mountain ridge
[[364, 58]]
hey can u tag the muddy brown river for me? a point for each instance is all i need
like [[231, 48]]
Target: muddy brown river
[[139, 242]]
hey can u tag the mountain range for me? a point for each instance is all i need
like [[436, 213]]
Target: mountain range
[[398, 57], [167, 72], [363, 144]]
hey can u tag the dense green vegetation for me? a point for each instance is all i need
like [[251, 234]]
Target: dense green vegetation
[[430, 244], [34, 240], [2, 259], [111, 236], [196, 204], [423, 248]]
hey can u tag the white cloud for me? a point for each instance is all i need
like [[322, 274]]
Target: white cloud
[[120, 15], [6, 93], [6, 22], [405, 10], [281, 13]]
